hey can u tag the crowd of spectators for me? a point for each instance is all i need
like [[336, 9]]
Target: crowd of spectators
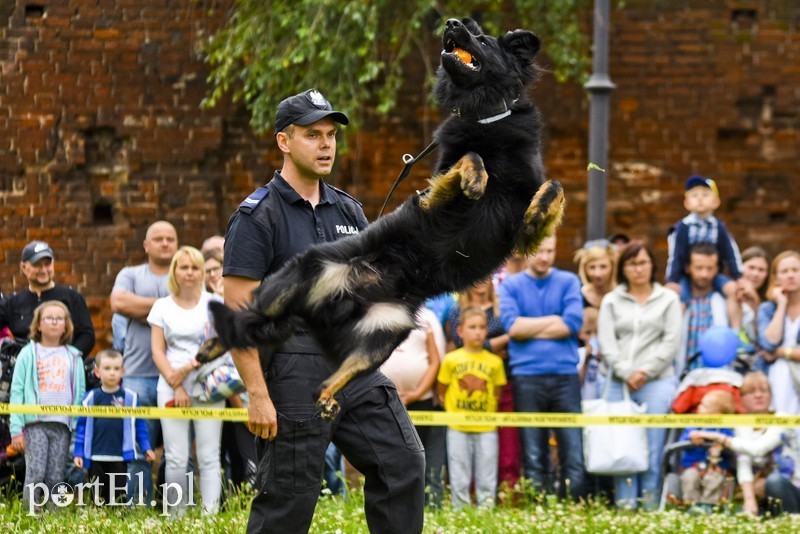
[[534, 338], [622, 324]]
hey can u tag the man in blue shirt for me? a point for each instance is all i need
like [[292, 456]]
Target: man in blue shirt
[[541, 308]]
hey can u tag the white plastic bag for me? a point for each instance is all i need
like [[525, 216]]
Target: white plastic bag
[[612, 449]]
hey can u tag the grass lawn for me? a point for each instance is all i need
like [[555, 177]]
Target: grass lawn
[[336, 515]]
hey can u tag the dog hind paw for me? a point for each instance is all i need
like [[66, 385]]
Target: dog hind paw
[[542, 216]]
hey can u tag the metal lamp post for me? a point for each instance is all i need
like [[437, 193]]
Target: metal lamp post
[[599, 87]]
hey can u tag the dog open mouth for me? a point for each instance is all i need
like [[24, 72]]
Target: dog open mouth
[[463, 56]]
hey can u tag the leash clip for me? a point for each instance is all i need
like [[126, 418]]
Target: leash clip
[[410, 161]]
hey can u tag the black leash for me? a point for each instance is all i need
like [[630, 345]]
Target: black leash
[[410, 162]]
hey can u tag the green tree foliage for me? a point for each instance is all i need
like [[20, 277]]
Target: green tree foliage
[[353, 50]]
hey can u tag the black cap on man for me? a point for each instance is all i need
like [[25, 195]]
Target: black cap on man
[[35, 251], [306, 108]]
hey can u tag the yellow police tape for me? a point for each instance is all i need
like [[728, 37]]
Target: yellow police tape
[[507, 419]]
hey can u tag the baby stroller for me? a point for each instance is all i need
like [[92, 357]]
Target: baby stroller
[[688, 396], [698, 382], [12, 465], [671, 492], [723, 371]]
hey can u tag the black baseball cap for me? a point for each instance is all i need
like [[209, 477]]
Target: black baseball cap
[[36, 250], [619, 236], [306, 108]]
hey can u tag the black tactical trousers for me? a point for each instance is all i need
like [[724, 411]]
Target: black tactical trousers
[[372, 430]]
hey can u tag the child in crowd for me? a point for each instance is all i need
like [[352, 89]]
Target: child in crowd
[[700, 226], [48, 372], [589, 354], [470, 380], [705, 475], [104, 446]]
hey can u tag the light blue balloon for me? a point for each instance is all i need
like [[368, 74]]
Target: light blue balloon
[[718, 345]]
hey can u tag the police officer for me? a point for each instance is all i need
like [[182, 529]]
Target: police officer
[[293, 212], [16, 310]]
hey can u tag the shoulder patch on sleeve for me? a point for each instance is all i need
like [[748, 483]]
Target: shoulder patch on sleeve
[[255, 198], [344, 194]]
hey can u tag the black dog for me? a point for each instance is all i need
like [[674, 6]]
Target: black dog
[[358, 296]]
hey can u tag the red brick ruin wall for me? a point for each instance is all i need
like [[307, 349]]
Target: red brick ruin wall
[[101, 130]]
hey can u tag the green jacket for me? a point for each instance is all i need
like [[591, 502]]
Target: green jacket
[[25, 385]]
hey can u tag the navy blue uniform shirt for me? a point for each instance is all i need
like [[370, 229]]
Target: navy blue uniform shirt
[[275, 223]]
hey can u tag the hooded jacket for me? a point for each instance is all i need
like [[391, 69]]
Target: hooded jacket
[[133, 431], [645, 337], [25, 385]]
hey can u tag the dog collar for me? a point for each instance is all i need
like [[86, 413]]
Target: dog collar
[[499, 111]]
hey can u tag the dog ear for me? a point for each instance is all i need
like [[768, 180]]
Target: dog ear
[[473, 27], [522, 43]]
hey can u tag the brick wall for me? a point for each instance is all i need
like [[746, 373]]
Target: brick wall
[[710, 90], [101, 131]]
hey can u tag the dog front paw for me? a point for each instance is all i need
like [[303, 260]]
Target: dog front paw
[[329, 408], [473, 176]]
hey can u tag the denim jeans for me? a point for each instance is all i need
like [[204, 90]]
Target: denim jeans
[[145, 388], [630, 489], [782, 495], [433, 439], [551, 394], [334, 471]]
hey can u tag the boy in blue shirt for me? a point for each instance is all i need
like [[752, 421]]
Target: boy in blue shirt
[[105, 445], [701, 199]]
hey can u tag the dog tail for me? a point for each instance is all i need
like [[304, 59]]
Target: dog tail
[[247, 328]]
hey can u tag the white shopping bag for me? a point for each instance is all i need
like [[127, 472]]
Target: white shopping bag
[[613, 449]]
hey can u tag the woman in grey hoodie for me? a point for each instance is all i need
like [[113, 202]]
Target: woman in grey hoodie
[[639, 329]]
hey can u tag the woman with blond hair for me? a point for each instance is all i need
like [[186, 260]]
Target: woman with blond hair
[[779, 330], [179, 325], [597, 263]]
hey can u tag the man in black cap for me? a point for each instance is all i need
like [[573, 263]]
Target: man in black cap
[[619, 240], [290, 214], [16, 310]]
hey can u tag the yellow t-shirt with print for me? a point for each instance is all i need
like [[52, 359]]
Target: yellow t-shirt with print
[[472, 379]]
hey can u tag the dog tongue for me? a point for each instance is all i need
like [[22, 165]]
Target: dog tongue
[[463, 55]]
